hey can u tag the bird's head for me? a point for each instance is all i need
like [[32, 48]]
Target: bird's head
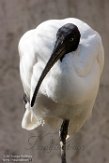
[[67, 40]]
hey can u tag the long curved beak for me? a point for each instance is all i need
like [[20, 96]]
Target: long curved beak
[[58, 52]]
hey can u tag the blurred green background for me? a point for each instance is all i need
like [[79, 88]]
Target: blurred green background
[[91, 144]]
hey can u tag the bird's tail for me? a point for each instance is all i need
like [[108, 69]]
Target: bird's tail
[[30, 120]]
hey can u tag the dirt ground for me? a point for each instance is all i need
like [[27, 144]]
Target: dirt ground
[[91, 144]]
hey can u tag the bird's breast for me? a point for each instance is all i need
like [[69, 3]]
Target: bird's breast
[[64, 85]]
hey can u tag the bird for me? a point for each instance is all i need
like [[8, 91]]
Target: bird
[[61, 63]]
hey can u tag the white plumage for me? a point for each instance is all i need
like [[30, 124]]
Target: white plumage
[[70, 88]]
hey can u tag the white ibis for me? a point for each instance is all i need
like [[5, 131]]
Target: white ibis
[[61, 62]]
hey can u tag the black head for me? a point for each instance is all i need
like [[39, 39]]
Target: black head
[[69, 37], [67, 40]]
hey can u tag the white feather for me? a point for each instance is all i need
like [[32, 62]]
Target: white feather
[[70, 88]]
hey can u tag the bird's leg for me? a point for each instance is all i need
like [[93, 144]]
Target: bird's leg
[[63, 134]]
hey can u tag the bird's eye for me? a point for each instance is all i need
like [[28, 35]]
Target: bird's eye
[[71, 39]]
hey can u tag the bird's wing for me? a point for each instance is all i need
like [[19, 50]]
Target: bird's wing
[[35, 48], [27, 60]]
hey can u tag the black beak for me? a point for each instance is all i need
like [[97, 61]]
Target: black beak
[[58, 52]]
